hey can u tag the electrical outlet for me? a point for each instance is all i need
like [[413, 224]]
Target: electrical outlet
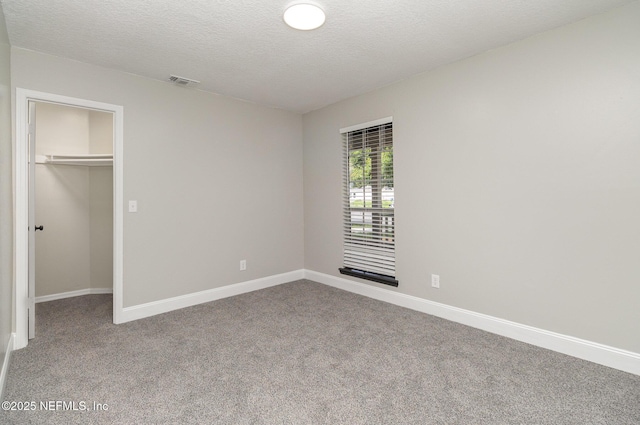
[[243, 265], [435, 280]]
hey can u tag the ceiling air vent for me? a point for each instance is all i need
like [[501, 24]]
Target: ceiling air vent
[[181, 81]]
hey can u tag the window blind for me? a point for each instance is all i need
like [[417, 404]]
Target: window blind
[[369, 222]]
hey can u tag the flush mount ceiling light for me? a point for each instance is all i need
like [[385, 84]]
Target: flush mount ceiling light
[[304, 16]]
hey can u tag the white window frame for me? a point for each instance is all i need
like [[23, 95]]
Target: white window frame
[[372, 257]]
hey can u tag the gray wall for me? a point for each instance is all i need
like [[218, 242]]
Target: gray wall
[[217, 180], [6, 200], [101, 202], [517, 180], [73, 203], [101, 227]]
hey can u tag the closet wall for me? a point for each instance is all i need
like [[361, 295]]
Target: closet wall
[[73, 203], [101, 202]]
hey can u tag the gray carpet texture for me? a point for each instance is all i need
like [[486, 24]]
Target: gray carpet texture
[[298, 353]]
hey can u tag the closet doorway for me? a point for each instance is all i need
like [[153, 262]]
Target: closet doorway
[[69, 229], [73, 188]]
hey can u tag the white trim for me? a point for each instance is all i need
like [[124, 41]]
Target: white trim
[[71, 294], [5, 365], [163, 306], [373, 123], [21, 207], [594, 352], [21, 220]]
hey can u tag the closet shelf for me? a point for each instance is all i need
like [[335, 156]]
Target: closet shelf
[[92, 160]]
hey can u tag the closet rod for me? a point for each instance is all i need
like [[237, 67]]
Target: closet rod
[[100, 159]]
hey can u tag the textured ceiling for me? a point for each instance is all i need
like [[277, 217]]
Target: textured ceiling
[[242, 48]]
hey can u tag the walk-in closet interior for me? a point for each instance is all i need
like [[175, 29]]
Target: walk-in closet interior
[[73, 202]]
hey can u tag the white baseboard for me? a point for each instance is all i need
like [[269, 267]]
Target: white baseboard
[[163, 306], [5, 365], [598, 353], [88, 291]]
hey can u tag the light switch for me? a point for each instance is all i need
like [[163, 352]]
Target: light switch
[[133, 206]]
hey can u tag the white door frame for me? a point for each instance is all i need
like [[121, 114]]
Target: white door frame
[[21, 207]]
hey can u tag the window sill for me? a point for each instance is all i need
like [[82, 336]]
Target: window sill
[[375, 277]]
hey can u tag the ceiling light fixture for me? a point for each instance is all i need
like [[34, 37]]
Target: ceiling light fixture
[[304, 16]]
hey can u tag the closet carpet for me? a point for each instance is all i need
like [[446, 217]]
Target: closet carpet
[[299, 353]]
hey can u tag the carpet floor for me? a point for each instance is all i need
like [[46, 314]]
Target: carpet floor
[[298, 353]]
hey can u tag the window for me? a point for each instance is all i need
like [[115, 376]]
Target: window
[[369, 236]]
